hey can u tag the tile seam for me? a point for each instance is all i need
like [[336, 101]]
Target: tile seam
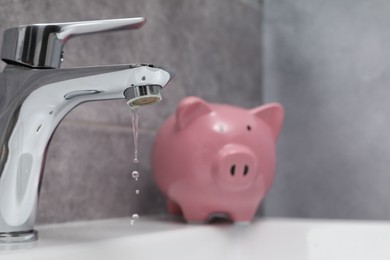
[[119, 127]]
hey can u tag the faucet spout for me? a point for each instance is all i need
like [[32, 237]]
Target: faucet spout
[[32, 104]]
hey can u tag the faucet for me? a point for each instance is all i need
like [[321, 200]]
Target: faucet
[[35, 95]]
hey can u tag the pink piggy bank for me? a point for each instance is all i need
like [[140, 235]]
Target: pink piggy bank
[[213, 159]]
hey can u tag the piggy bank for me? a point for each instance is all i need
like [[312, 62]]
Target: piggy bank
[[214, 159]]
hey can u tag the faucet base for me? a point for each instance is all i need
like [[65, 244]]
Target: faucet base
[[18, 237]]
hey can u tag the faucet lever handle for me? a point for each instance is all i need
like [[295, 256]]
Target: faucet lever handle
[[40, 45]]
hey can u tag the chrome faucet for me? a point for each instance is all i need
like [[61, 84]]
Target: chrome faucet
[[35, 95]]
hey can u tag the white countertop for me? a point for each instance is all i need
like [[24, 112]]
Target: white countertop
[[165, 238]]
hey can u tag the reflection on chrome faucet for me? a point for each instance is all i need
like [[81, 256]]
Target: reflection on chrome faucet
[[35, 95]]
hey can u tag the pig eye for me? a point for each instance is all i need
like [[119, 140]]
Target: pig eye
[[248, 127]]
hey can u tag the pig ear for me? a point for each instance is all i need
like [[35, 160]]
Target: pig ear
[[272, 115], [190, 109]]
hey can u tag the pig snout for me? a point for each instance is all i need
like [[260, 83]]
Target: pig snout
[[236, 166]]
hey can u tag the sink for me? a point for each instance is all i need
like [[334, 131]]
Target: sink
[[158, 237]]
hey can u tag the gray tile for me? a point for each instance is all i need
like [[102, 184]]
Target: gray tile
[[213, 44], [325, 61]]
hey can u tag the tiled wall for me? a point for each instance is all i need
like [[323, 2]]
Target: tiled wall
[[328, 63], [213, 44]]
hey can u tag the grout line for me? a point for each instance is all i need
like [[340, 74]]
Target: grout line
[[119, 127]]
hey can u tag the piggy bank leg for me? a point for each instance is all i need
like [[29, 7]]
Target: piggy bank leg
[[194, 214], [173, 208], [243, 215]]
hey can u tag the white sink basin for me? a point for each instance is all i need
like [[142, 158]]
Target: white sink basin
[[162, 238]]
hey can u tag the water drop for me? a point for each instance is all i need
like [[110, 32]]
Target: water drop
[[137, 192], [135, 175], [136, 160], [134, 217]]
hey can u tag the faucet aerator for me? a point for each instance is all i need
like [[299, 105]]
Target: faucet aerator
[[138, 96]]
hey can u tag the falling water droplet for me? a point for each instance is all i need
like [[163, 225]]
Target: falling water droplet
[[135, 175], [134, 217], [137, 192]]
